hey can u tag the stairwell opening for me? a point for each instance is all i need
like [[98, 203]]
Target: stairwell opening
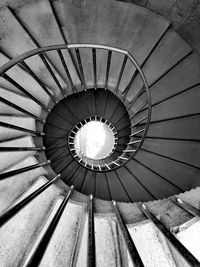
[[95, 139]]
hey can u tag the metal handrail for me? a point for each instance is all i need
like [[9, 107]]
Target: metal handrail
[[127, 154]]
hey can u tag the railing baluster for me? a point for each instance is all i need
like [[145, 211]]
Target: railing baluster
[[137, 111], [20, 205], [52, 74], [84, 178], [94, 67], [186, 206], [39, 252], [18, 128], [118, 159], [36, 78], [108, 68], [138, 122], [134, 142], [143, 63], [91, 259], [172, 239], [67, 71], [64, 38], [130, 83], [27, 69], [5, 101], [139, 93], [22, 170], [120, 74], [118, 82], [129, 150], [18, 86], [37, 45], [12, 148], [135, 257], [81, 68], [140, 131]]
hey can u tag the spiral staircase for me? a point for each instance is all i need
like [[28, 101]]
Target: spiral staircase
[[65, 64]]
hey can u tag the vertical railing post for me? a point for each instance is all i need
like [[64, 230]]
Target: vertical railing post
[[91, 260], [39, 252], [135, 257], [183, 251]]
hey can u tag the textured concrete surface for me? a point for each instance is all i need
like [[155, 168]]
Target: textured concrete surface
[[7, 133], [107, 247], [184, 15], [61, 249], [19, 233], [21, 182], [8, 159], [21, 101], [189, 236], [151, 245]]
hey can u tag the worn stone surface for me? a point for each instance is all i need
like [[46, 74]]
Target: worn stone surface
[[61, 248], [185, 17], [151, 245], [19, 233], [189, 235], [25, 122], [21, 182], [107, 247], [9, 159]]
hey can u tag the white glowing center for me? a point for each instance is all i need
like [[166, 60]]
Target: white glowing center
[[94, 140]]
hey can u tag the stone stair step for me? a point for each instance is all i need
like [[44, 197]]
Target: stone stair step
[[10, 158], [109, 243], [21, 101], [22, 181], [151, 245], [23, 79], [19, 233], [98, 27], [18, 41], [182, 151], [8, 133], [61, 248], [169, 52], [41, 22]]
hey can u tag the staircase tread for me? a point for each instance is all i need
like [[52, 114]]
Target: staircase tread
[[23, 79], [8, 133], [62, 256], [97, 26], [170, 51], [41, 23], [22, 181], [18, 42], [10, 158], [22, 101], [32, 218]]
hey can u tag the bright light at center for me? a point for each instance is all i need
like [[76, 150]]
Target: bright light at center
[[94, 140]]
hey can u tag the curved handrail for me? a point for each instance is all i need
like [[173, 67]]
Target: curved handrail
[[19, 59]]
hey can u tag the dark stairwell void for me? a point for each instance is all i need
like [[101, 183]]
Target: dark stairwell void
[[68, 117]]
